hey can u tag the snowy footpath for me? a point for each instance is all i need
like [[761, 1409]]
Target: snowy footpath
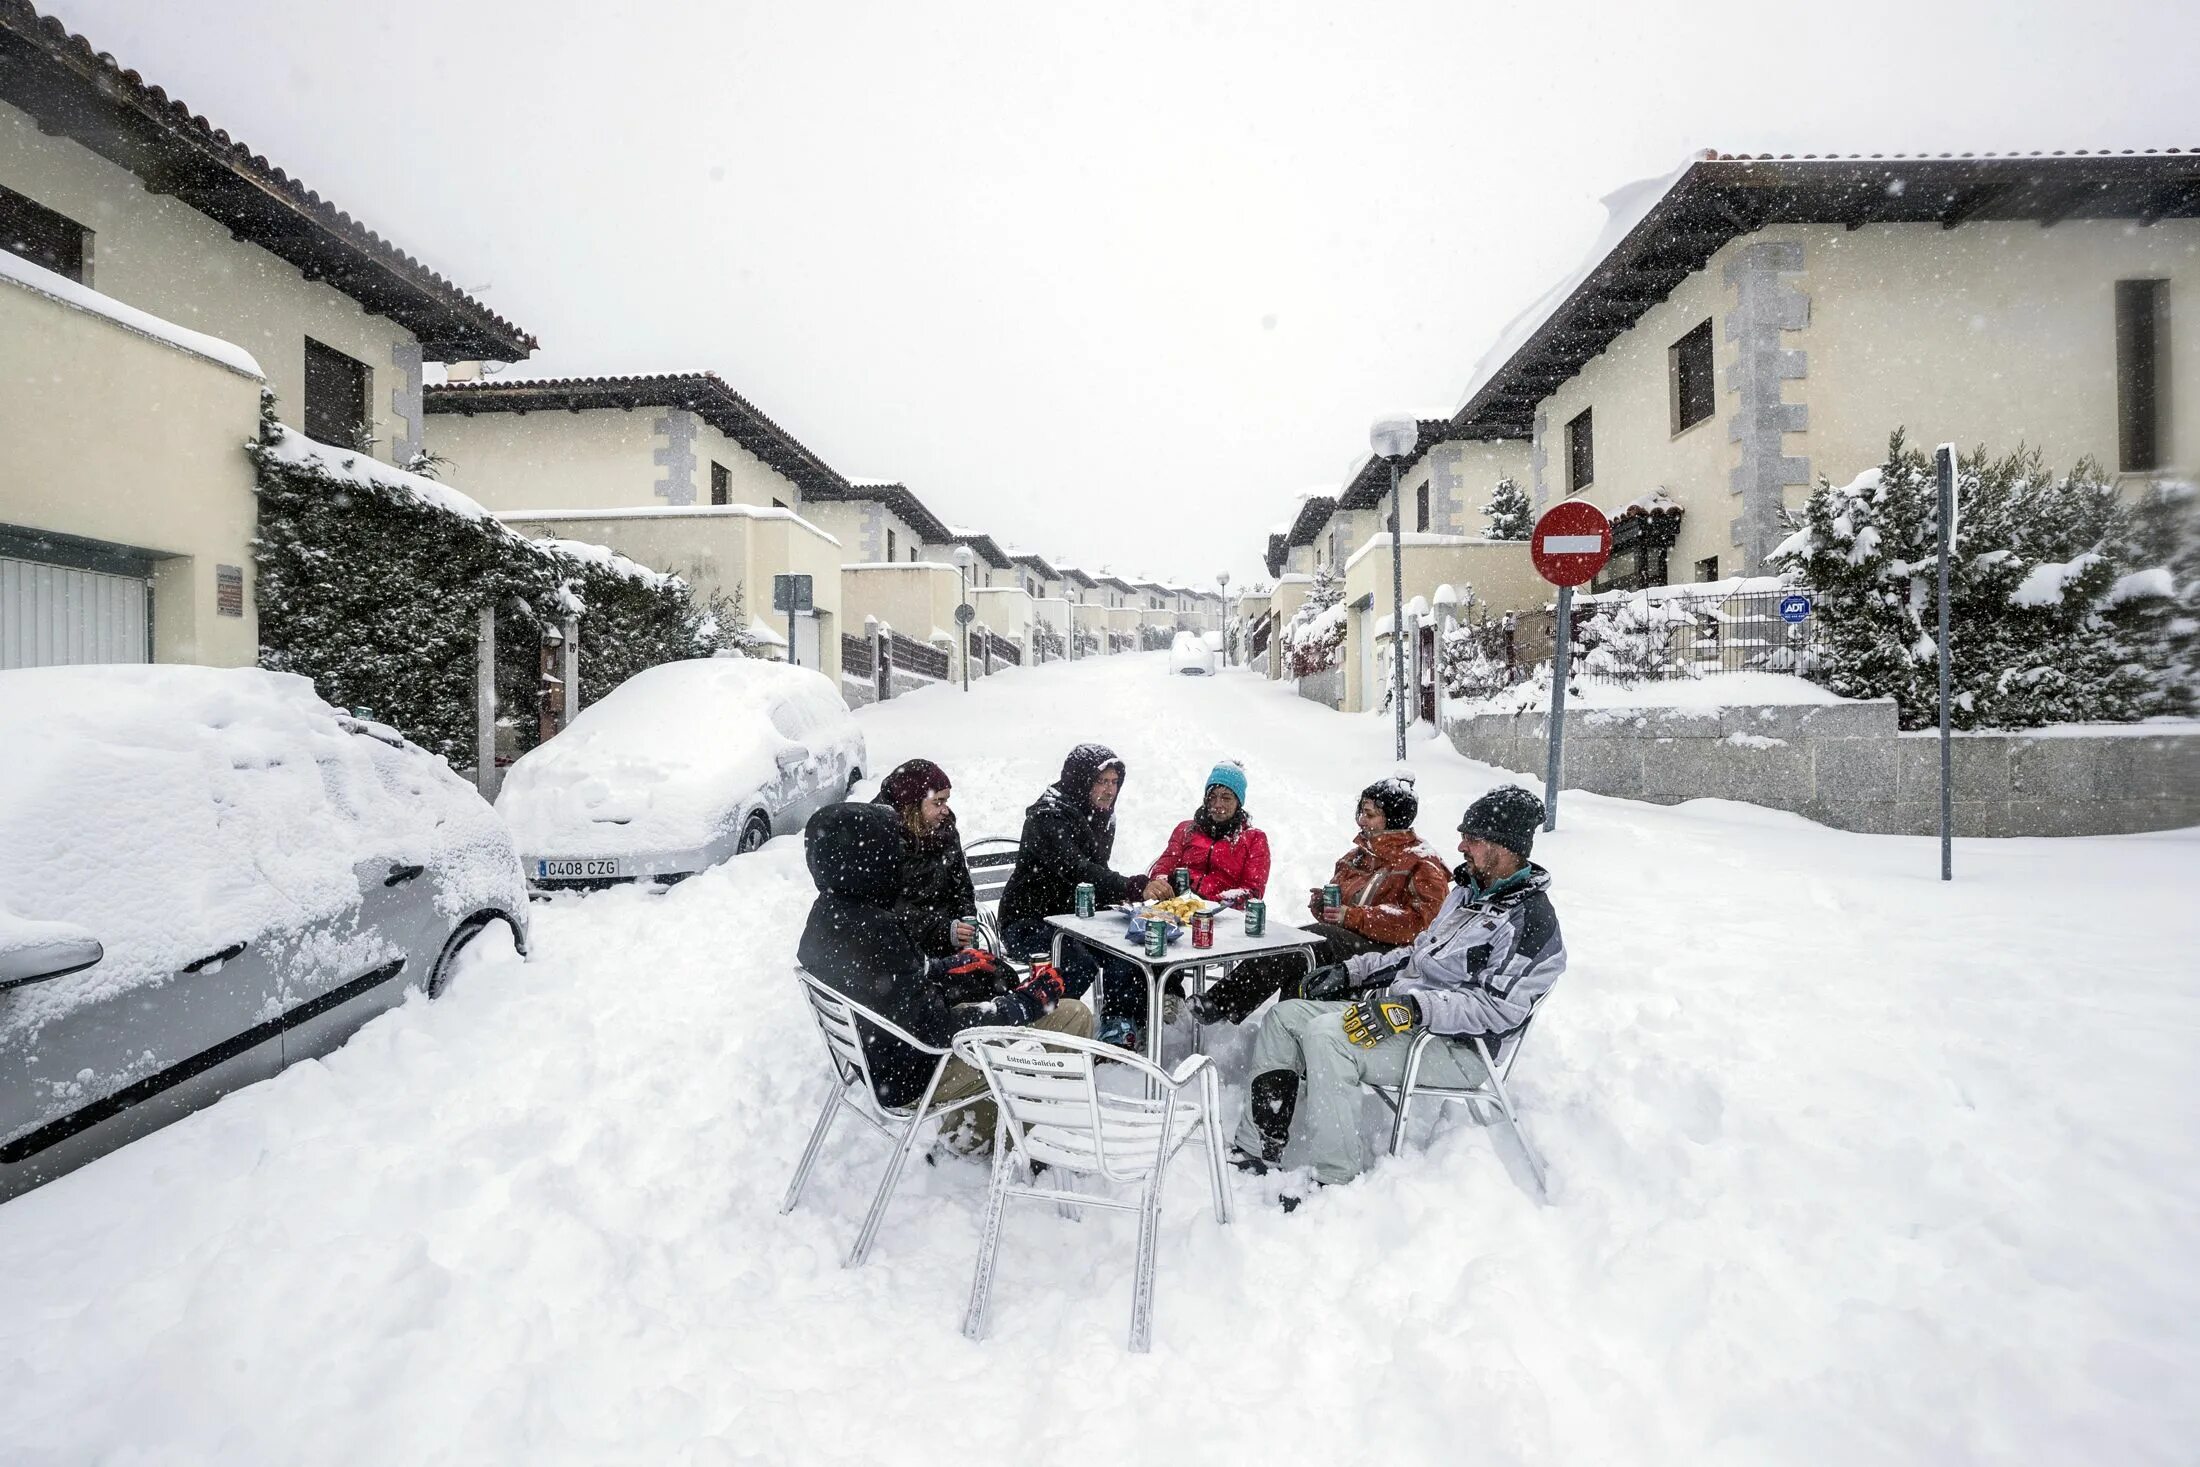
[[1848, 1167]]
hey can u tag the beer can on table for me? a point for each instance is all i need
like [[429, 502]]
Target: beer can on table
[[1157, 937], [1256, 917], [1181, 879], [1203, 929], [1085, 898], [1332, 895]]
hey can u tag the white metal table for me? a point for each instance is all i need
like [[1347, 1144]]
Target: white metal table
[[1105, 932]]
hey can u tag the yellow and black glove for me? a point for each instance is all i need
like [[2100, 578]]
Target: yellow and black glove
[[1378, 1017]]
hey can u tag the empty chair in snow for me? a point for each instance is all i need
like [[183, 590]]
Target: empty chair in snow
[[1390, 886], [1477, 972]]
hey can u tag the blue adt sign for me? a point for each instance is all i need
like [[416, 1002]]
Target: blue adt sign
[[1794, 608]]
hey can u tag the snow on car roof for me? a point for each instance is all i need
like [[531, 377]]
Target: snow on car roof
[[171, 811], [663, 760]]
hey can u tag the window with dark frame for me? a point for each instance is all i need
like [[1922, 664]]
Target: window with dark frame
[[1690, 378], [721, 483], [892, 551], [778, 503], [45, 238], [1420, 510], [1707, 569], [1581, 463], [2142, 358], [337, 393]]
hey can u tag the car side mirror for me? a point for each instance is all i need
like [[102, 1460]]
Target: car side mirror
[[37, 951], [791, 759]]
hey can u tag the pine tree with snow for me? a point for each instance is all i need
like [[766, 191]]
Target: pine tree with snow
[[2033, 572], [2157, 606], [1510, 515]]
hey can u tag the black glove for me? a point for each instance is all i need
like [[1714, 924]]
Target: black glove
[[1331, 980], [1378, 1017]]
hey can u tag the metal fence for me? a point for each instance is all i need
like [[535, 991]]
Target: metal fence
[[855, 656], [1673, 635], [1000, 649], [921, 658]]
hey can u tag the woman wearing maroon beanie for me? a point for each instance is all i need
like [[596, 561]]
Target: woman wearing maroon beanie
[[936, 897]]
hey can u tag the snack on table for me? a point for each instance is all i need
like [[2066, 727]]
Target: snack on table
[[1177, 910]]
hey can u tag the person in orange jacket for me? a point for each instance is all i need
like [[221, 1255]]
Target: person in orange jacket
[[1391, 884]]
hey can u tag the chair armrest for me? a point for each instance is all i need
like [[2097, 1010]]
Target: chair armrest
[[1193, 1064]]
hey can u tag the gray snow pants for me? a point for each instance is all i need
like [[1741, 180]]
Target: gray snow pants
[[1306, 1037]]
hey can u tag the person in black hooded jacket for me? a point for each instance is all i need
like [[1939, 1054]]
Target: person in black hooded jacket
[[1069, 833], [856, 943]]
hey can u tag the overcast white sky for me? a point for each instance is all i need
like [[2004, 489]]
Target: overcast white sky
[[1112, 281]]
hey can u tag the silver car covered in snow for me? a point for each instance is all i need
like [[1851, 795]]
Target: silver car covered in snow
[[678, 768], [208, 874]]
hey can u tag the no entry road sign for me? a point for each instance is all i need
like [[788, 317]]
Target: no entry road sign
[[1571, 543]]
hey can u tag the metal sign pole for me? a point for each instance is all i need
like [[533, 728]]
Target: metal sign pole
[[1945, 465], [1559, 660]]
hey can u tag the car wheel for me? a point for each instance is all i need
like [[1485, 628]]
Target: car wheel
[[446, 962], [754, 834]]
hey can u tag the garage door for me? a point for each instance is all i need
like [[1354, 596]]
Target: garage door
[[52, 614]]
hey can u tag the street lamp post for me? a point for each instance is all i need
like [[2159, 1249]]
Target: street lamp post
[[963, 609], [1393, 439], [1224, 581]]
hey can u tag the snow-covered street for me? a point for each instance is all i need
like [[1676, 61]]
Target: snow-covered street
[[1847, 1166]]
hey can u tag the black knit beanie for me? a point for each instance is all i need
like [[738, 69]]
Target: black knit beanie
[[1394, 796], [1506, 816]]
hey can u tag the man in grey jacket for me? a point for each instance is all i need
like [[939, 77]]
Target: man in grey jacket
[[1477, 971]]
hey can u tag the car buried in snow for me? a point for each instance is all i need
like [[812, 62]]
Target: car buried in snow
[[1190, 655], [206, 875], [678, 768]]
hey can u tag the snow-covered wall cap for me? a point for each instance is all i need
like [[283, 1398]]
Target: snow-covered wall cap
[[1447, 595], [1424, 539], [901, 565], [665, 512], [16, 270]]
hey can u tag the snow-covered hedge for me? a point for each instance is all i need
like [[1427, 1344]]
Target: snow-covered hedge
[[371, 581], [1313, 640], [2066, 604]]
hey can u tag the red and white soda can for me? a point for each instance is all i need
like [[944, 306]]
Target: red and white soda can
[[1203, 929]]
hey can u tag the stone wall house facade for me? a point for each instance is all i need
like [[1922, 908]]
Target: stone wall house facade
[[158, 275], [678, 472]]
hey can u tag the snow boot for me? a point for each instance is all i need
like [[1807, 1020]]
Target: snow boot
[[1273, 1099]]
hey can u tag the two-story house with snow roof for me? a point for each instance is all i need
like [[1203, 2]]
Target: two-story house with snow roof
[[156, 275], [678, 472], [1747, 326]]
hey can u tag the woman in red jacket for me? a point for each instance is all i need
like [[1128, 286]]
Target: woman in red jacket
[[1219, 845]]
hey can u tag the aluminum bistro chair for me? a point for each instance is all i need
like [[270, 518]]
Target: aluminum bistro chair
[[1400, 1097], [991, 860], [1053, 1111], [853, 1090]]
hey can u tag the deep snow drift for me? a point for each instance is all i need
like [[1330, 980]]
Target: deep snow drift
[[1847, 1166]]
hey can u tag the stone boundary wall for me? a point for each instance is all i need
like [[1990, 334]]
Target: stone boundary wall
[[1846, 765], [1325, 687]]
